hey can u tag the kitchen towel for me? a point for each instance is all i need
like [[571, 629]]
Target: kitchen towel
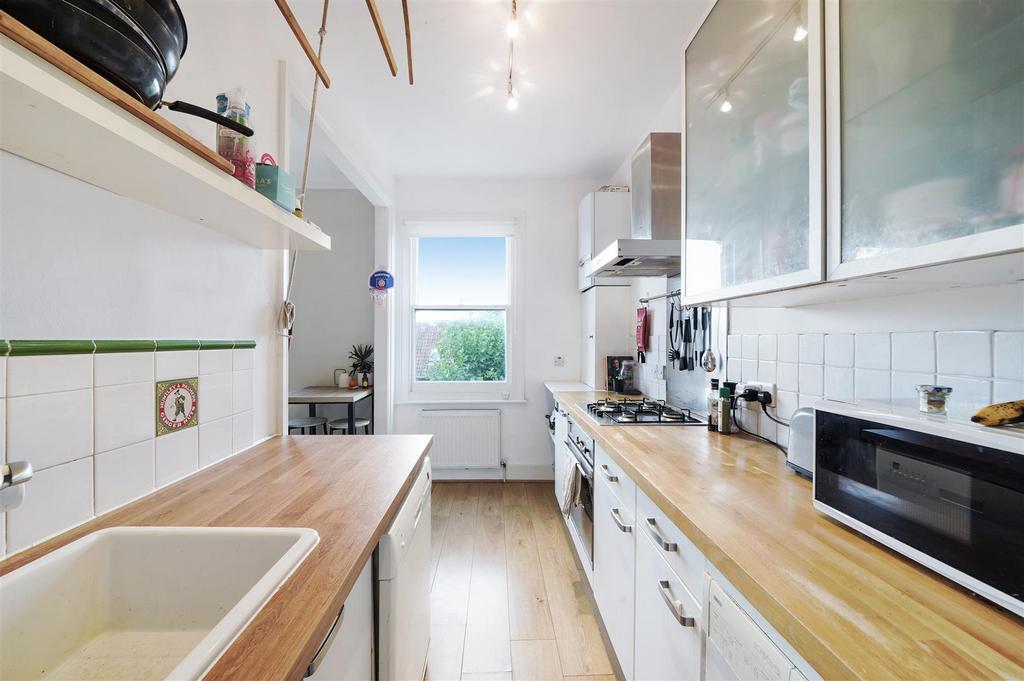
[[569, 495]]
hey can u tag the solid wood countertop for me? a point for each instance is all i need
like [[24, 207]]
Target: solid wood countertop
[[348, 489], [851, 607]]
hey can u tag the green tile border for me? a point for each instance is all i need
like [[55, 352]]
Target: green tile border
[[26, 348], [172, 345], [36, 347], [216, 344], [104, 346]]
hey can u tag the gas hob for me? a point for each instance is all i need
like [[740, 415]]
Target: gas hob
[[639, 412]]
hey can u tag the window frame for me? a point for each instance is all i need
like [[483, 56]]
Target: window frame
[[509, 390]]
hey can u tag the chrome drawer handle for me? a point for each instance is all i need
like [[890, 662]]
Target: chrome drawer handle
[[618, 521], [321, 652], [15, 473], [675, 606], [608, 474], [667, 545]]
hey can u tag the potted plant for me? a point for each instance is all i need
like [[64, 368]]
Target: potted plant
[[362, 365]]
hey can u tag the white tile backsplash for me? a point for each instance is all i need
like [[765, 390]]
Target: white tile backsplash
[[177, 364], [766, 371], [913, 352], [51, 429], [873, 351], [767, 347], [1007, 391], [839, 383], [787, 403], [750, 347], [969, 394], [115, 368], [124, 415], [787, 376], [242, 391], [48, 374], [242, 431], [214, 441], [177, 455], [59, 497], [734, 370], [749, 369], [1008, 360], [789, 348], [243, 358], [872, 384], [904, 385], [214, 396], [3, 379], [734, 346], [964, 353], [839, 349], [812, 380], [215, 361], [123, 475], [812, 348]]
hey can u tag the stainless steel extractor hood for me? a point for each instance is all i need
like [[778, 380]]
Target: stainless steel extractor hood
[[655, 247]]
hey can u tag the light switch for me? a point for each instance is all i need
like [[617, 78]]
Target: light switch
[[559, 360]]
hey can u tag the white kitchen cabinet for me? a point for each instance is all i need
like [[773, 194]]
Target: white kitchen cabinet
[[347, 654], [737, 649], [925, 114], [614, 556], [752, 219], [667, 623], [609, 329], [604, 216]]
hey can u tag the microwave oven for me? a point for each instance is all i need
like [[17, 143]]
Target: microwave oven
[[946, 493]]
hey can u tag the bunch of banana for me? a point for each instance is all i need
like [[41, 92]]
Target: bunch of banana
[[1000, 414]]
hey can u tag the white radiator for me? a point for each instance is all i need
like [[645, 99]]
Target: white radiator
[[463, 438]]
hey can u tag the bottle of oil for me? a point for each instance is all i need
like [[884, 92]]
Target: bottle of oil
[[724, 410], [713, 406]]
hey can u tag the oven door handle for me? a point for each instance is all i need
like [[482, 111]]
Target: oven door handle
[[588, 470]]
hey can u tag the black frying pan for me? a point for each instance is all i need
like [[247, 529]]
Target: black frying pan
[[108, 37]]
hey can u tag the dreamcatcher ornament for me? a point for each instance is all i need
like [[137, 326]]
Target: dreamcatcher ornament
[[381, 282]]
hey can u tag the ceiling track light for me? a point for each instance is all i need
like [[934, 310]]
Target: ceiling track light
[[512, 31]]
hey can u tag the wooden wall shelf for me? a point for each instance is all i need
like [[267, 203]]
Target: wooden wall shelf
[[56, 117]]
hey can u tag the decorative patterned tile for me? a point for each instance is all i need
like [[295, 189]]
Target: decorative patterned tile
[[50, 429], [177, 405], [123, 475]]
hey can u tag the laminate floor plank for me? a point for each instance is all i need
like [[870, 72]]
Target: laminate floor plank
[[487, 627], [535, 661]]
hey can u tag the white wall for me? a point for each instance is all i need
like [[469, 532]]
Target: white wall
[[81, 262], [551, 302], [332, 302]]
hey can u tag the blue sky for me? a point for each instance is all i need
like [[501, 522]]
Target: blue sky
[[462, 270]]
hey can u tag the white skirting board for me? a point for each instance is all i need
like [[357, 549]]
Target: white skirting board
[[463, 438]]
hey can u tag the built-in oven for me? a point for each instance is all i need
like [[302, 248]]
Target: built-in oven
[[582, 515], [946, 493]]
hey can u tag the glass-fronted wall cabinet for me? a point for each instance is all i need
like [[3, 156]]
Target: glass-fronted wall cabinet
[[925, 120], [753, 141]]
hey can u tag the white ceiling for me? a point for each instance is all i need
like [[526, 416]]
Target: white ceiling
[[592, 75]]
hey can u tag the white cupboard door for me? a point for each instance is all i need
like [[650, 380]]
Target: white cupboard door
[[668, 633], [614, 571], [612, 218], [347, 654], [925, 132], [589, 370]]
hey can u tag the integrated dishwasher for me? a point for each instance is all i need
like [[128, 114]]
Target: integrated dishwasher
[[403, 586]]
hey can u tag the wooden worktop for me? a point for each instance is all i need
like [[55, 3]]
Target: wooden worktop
[[851, 607], [347, 488]]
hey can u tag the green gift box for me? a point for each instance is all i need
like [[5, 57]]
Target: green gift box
[[274, 183]]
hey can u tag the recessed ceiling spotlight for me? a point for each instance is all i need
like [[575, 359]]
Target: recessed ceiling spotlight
[[726, 106], [799, 34], [512, 103], [512, 29]]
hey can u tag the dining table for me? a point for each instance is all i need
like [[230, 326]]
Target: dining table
[[332, 394]]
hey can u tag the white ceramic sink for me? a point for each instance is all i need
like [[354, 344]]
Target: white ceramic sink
[[141, 602]]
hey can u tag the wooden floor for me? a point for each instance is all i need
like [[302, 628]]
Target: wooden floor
[[508, 600]]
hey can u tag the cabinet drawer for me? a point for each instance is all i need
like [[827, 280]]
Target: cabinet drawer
[[681, 554], [618, 482], [614, 571], [668, 620]]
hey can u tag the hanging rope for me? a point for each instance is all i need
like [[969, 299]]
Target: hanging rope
[[288, 307]]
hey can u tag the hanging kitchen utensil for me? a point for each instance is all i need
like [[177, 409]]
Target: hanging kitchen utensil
[[684, 363], [642, 334], [673, 336], [111, 39], [708, 360]]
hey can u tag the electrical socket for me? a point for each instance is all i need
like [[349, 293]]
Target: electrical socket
[[559, 361], [758, 386]]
